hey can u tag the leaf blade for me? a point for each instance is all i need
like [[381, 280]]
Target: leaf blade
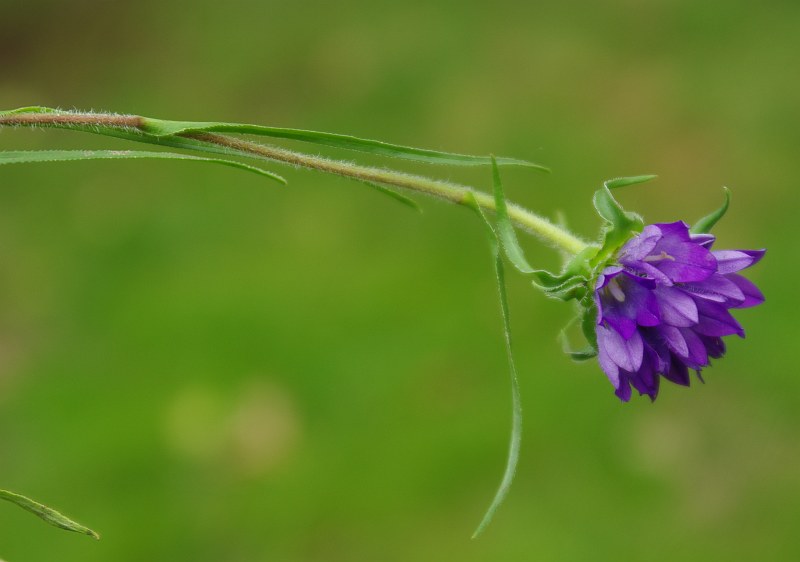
[[48, 514], [505, 230], [516, 401], [705, 224], [38, 156], [630, 180], [161, 128]]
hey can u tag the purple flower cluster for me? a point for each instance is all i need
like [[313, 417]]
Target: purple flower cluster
[[665, 307]]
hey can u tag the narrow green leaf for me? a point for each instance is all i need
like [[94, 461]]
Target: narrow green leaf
[[632, 180], [172, 142], [26, 157], [704, 225], [516, 401], [160, 127], [505, 230], [48, 514], [399, 197], [583, 354], [29, 109]]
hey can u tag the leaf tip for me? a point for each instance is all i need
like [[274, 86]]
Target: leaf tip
[[626, 181]]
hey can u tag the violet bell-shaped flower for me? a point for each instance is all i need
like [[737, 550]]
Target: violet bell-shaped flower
[[663, 307]]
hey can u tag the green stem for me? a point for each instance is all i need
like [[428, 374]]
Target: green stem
[[455, 193]]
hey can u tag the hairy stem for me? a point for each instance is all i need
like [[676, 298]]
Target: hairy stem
[[455, 193]]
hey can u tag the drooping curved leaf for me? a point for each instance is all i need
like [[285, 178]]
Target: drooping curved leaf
[[516, 401], [505, 230]]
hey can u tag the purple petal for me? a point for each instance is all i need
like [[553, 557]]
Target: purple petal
[[641, 301], [602, 281], [685, 262], [698, 356], [678, 230], [752, 296], [648, 314], [731, 261], [606, 276], [627, 354], [623, 390], [646, 383], [674, 340], [624, 302], [609, 367], [677, 308], [704, 240], [651, 272], [678, 373], [716, 288], [714, 345], [640, 246], [716, 321], [625, 326]]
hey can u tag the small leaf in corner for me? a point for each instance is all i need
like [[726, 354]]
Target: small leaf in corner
[[48, 514]]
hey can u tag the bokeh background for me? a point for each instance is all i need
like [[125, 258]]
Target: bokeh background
[[205, 366]]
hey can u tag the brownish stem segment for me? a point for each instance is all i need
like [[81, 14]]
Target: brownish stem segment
[[61, 119]]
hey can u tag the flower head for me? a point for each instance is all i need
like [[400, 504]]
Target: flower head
[[663, 306]]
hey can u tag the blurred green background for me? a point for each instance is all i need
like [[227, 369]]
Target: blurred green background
[[205, 366]]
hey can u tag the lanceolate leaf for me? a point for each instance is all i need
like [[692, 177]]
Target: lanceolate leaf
[[159, 128], [507, 237], [704, 225], [47, 514], [516, 402], [505, 230], [26, 156], [632, 180]]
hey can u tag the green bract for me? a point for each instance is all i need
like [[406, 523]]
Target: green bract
[[705, 224]]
